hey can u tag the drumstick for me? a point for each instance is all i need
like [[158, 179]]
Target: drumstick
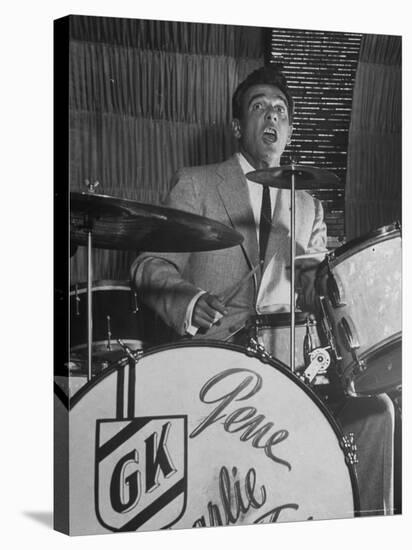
[[233, 290]]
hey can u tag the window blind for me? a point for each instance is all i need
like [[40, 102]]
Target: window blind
[[320, 67]]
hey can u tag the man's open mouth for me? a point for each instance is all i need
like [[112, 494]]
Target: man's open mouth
[[270, 135]]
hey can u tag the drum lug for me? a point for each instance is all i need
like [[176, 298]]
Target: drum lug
[[77, 300], [311, 341], [255, 349], [135, 303], [109, 333], [360, 365], [328, 330], [350, 448], [351, 340]]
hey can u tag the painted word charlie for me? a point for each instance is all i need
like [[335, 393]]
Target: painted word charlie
[[236, 502]]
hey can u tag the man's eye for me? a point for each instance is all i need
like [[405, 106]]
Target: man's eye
[[280, 109], [257, 106]]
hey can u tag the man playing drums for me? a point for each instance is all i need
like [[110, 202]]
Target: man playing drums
[[187, 289]]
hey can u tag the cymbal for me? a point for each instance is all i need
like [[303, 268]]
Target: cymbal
[[306, 177], [123, 224]]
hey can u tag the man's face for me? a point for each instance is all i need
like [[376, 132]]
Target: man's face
[[264, 129]]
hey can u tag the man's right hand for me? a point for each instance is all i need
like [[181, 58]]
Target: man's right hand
[[207, 311]]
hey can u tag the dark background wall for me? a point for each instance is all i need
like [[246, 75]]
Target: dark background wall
[[146, 98]]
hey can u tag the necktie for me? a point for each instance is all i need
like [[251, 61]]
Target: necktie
[[265, 222]]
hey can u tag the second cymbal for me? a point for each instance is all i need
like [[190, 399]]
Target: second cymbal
[[306, 177]]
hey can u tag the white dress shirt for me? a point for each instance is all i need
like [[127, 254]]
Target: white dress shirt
[[274, 292]]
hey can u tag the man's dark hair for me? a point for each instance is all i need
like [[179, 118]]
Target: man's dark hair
[[271, 75]]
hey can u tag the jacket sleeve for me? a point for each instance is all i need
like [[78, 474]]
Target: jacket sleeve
[[159, 278], [318, 238], [308, 269]]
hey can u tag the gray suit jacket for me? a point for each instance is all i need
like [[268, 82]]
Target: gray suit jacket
[[167, 282]]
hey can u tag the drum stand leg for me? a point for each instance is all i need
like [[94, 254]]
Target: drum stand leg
[[89, 306]]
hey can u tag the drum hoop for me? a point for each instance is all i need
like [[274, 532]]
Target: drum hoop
[[113, 342], [284, 369], [354, 246], [370, 354], [272, 361], [98, 285]]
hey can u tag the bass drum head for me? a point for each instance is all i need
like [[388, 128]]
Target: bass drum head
[[203, 435]]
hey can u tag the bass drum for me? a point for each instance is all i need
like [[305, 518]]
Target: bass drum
[[202, 435]]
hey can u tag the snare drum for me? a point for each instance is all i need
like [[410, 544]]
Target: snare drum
[[201, 435], [272, 331], [359, 287]]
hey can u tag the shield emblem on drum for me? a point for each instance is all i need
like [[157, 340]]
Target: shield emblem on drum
[[141, 472]]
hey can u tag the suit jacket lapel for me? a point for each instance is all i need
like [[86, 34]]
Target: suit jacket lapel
[[235, 197]]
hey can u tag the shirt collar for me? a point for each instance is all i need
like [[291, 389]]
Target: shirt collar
[[244, 164]]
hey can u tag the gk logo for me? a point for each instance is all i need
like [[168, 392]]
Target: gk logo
[[141, 472], [157, 460]]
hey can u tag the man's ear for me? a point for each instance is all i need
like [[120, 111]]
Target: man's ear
[[236, 129], [290, 132]]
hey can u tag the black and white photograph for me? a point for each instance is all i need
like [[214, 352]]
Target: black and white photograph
[[205, 275], [234, 259]]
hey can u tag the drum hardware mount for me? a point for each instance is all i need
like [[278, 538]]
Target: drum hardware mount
[[311, 340], [352, 343], [319, 363], [255, 349], [316, 357], [360, 364], [109, 333], [328, 330], [350, 448], [135, 303], [135, 356], [91, 187], [77, 300]]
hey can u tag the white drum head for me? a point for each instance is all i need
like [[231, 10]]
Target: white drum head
[[201, 435]]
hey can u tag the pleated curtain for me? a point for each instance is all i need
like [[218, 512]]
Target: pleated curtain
[[147, 98], [374, 175]]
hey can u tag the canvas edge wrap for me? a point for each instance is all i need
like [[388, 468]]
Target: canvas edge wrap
[[61, 520]]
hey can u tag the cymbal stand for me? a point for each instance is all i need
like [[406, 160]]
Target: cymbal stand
[[292, 270], [89, 304], [89, 224]]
